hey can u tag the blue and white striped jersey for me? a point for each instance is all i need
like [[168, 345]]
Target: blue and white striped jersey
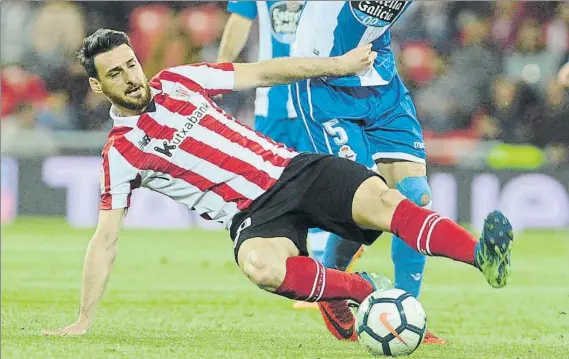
[[332, 28], [277, 27]]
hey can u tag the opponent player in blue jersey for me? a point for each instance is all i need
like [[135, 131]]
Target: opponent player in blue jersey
[[369, 118], [275, 116], [274, 112]]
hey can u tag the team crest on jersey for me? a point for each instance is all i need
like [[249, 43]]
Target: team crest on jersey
[[284, 21], [347, 152], [377, 13], [180, 92]]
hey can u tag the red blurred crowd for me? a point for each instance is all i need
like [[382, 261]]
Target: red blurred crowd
[[41, 74], [477, 70]]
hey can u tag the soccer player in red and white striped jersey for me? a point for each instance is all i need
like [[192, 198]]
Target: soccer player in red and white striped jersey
[[186, 147], [171, 137]]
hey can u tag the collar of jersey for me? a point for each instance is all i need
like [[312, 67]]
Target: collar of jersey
[[129, 121]]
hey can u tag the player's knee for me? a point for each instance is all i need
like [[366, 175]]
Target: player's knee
[[386, 202], [389, 200], [263, 269], [374, 204], [416, 189]]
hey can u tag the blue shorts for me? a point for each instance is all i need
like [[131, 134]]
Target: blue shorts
[[288, 131], [368, 123]]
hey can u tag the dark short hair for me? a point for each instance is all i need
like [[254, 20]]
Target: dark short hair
[[99, 42]]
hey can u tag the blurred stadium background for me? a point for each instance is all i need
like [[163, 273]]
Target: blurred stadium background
[[497, 135], [482, 75]]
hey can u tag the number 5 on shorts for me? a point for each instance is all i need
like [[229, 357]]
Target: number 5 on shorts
[[339, 134]]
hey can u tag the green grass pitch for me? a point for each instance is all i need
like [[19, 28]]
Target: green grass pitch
[[179, 294]]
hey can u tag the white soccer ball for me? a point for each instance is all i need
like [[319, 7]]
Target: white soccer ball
[[391, 323]]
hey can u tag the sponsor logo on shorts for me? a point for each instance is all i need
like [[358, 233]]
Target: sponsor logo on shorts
[[245, 224], [284, 21], [419, 145], [347, 152], [377, 13]]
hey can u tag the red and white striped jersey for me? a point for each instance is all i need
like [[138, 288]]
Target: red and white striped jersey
[[187, 148]]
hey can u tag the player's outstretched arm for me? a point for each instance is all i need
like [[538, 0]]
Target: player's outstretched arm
[[234, 38], [101, 253], [286, 70]]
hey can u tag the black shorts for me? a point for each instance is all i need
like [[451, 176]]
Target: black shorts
[[314, 191]]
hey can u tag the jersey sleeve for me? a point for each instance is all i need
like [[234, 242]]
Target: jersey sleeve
[[118, 179], [246, 9], [212, 79]]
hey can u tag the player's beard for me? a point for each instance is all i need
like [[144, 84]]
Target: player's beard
[[131, 103]]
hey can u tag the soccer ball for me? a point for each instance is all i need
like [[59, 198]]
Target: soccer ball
[[391, 323]]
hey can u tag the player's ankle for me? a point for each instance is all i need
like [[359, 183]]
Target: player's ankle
[[362, 286]]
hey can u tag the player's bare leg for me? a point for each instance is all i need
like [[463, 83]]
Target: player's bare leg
[[340, 311], [378, 208], [409, 178], [274, 265], [263, 260]]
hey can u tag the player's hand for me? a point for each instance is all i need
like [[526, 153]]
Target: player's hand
[[75, 329], [358, 59], [563, 75]]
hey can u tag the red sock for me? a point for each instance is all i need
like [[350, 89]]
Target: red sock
[[431, 234], [308, 280]]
